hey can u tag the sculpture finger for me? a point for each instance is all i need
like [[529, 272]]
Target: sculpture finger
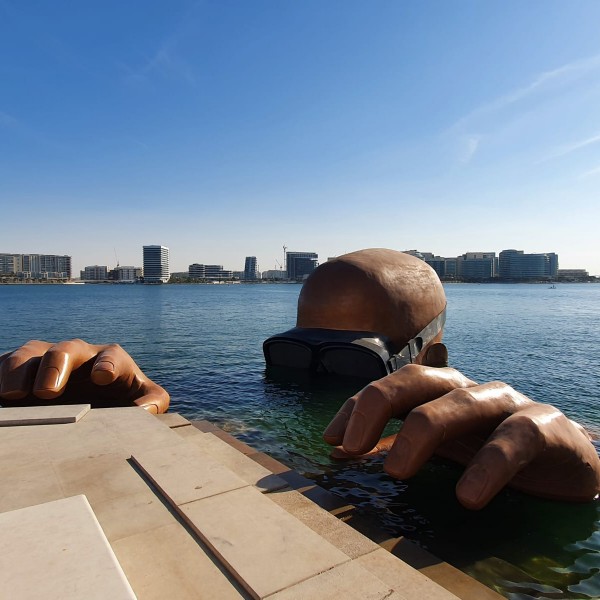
[[383, 445], [360, 422], [56, 366], [334, 433], [515, 444], [461, 412], [370, 411], [18, 369], [155, 399], [112, 364]]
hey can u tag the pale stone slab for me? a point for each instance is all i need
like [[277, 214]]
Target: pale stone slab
[[28, 485], [167, 562], [129, 515], [137, 429], [348, 581], [403, 578], [184, 473], [42, 415], [88, 438], [263, 546], [16, 452], [58, 551], [239, 463], [100, 478], [342, 536]]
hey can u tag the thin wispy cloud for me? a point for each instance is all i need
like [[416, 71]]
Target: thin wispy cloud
[[591, 172], [166, 63], [469, 146], [505, 115], [569, 148], [555, 78]]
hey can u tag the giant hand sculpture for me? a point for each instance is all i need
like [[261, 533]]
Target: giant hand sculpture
[[76, 372], [500, 435], [380, 314]]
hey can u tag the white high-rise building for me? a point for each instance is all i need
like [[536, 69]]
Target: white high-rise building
[[156, 264]]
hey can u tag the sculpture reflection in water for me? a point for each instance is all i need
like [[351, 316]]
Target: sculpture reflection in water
[[380, 313]]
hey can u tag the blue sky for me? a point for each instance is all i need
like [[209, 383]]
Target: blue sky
[[229, 128]]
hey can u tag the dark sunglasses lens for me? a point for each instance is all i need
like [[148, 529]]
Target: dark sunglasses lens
[[288, 354], [353, 362]]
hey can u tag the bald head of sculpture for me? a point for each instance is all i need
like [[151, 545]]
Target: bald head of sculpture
[[379, 290], [375, 298]]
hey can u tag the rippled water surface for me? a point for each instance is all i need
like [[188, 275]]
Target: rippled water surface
[[203, 343]]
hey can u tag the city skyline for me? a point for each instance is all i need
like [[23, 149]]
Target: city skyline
[[229, 130], [308, 262], [510, 264]]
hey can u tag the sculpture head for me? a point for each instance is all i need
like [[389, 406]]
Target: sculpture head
[[365, 313]]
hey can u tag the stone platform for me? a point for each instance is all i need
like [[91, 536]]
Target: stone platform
[[183, 510]]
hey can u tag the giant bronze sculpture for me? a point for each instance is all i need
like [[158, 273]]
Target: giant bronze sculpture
[[384, 310]]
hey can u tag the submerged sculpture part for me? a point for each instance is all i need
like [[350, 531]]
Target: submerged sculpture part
[[499, 435]]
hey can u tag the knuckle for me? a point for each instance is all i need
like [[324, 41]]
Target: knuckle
[[461, 396], [527, 428], [424, 417], [411, 370]]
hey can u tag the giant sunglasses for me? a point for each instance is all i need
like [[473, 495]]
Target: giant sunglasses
[[349, 353]]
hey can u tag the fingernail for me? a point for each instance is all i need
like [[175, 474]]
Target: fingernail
[[353, 439], [103, 372], [335, 430], [397, 459], [104, 365], [472, 486], [50, 378]]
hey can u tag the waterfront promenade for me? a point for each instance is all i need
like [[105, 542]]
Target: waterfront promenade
[[120, 503]]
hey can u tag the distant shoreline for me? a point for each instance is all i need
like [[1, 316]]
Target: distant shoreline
[[449, 282]]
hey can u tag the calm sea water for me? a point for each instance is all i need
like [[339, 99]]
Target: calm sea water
[[203, 343]]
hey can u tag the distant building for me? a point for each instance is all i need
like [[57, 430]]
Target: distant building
[[300, 264], [209, 272], [418, 254], [11, 264], [94, 273], [36, 266], [251, 269], [217, 273], [451, 268], [197, 271], [438, 264], [156, 264], [468, 266], [477, 265], [515, 264], [126, 274], [277, 274], [573, 275]]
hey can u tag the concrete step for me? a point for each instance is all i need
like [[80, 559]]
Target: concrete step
[[275, 541]]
